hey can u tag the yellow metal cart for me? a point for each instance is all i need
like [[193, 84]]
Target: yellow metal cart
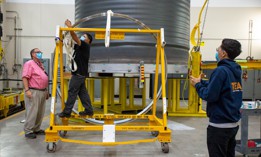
[[157, 126], [9, 100]]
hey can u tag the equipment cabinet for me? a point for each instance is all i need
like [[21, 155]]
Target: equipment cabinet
[[242, 145]]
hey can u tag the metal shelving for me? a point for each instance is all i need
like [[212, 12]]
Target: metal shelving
[[242, 145]]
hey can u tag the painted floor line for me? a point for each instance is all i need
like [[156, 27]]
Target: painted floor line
[[22, 132]]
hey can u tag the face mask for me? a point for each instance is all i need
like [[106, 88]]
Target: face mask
[[39, 55], [216, 56], [82, 38]]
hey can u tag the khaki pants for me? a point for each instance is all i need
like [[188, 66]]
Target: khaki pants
[[35, 108]]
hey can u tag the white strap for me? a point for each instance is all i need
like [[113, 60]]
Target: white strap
[[68, 44], [108, 27]]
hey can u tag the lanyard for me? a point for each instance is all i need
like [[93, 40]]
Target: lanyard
[[41, 66]]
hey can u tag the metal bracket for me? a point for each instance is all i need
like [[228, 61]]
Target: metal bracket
[[57, 36], [162, 38]]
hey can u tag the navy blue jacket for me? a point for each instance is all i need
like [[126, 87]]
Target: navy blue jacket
[[223, 92]]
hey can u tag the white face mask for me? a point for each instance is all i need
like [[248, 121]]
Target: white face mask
[[82, 38]]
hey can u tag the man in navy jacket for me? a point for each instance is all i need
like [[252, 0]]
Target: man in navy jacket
[[223, 93]]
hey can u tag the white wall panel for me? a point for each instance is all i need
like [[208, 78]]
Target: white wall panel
[[227, 3], [229, 23], [42, 1], [39, 18], [194, 3], [38, 23]]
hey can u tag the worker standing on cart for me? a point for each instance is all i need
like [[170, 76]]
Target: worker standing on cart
[[77, 83], [223, 93]]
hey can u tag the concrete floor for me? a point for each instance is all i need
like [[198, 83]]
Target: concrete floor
[[188, 140]]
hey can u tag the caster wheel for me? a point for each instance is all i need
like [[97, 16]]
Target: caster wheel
[[62, 133], [51, 147], [155, 133], [165, 147]]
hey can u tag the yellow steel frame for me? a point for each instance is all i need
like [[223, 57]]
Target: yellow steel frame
[[107, 101], [1, 50], [245, 64], [123, 106], [155, 123], [6, 100], [194, 107]]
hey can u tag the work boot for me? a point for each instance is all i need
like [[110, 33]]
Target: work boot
[[40, 132], [30, 135], [85, 113], [64, 115]]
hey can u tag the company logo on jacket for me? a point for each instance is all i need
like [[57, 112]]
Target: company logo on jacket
[[236, 86]]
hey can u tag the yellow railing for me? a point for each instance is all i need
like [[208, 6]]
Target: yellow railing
[[154, 123]]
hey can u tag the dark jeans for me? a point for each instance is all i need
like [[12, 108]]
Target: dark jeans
[[77, 88], [221, 141]]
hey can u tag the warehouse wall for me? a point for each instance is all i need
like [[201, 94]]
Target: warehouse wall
[[229, 23], [38, 22]]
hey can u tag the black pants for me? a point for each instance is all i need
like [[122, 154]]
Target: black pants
[[221, 141], [77, 88]]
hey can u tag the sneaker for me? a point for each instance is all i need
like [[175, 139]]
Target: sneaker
[[30, 135], [22, 121], [85, 113], [63, 115], [40, 132]]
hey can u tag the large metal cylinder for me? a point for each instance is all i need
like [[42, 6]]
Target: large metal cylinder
[[172, 15]]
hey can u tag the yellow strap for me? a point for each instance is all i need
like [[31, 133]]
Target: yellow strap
[[192, 36], [197, 29]]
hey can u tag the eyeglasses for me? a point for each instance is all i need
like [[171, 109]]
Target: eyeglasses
[[219, 49], [38, 52]]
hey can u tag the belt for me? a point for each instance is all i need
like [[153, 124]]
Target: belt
[[79, 75], [38, 89]]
